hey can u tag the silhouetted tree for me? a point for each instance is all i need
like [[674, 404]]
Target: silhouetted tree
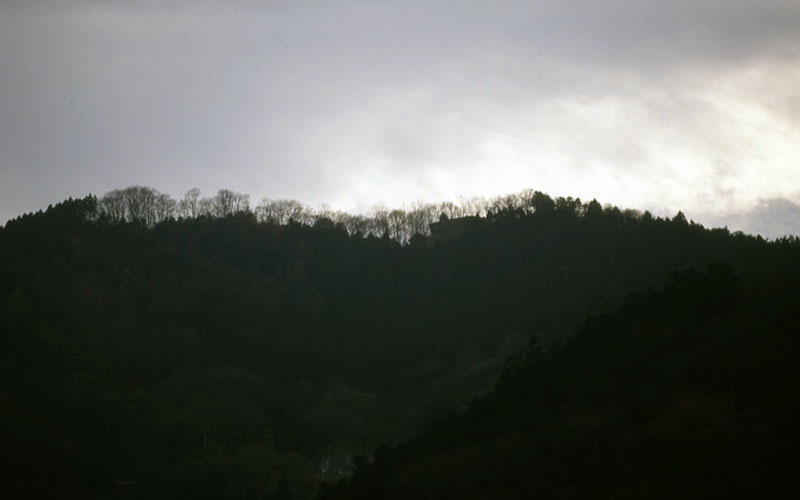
[[227, 203], [593, 209], [189, 206], [542, 203]]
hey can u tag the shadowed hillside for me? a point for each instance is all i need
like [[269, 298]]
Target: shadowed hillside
[[231, 354], [688, 392]]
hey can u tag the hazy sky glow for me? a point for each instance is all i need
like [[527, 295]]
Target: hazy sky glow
[[691, 105]]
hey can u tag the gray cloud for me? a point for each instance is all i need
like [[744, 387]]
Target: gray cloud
[[651, 104], [770, 218]]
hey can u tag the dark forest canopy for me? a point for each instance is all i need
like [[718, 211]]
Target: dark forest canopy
[[203, 348], [685, 392]]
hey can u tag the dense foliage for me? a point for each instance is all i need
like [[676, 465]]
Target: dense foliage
[[233, 354], [688, 392]]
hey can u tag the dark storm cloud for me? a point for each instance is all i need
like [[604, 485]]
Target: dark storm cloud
[[356, 102]]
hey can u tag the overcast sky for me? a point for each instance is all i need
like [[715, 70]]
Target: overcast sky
[[663, 105]]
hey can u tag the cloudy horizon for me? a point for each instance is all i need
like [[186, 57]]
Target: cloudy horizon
[[659, 106]]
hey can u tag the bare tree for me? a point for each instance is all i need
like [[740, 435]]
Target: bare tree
[[164, 207], [379, 221], [398, 228], [475, 205], [266, 211], [450, 209], [189, 206], [112, 206], [140, 204], [420, 218], [355, 224], [139, 201], [294, 211], [205, 207], [228, 202], [282, 211]]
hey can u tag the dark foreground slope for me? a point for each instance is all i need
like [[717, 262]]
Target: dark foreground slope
[[688, 392], [213, 357]]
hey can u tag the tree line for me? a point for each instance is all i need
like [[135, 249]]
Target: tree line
[[148, 206]]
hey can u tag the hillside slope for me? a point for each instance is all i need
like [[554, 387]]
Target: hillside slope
[[216, 356], [686, 392]]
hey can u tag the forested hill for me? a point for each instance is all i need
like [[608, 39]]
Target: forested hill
[[233, 353], [687, 392]]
